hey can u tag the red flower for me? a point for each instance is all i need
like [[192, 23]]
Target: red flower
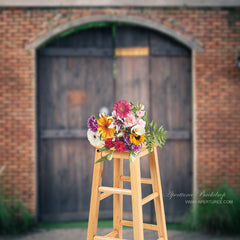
[[120, 147], [109, 143]]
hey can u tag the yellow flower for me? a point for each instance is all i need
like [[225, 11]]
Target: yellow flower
[[104, 130], [137, 139]]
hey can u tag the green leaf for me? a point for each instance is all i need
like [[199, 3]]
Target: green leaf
[[106, 157], [109, 156], [132, 156], [145, 118], [155, 127], [151, 124], [104, 148]]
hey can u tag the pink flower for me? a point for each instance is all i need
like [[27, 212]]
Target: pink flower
[[140, 113], [141, 122], [122, 108], [130, 120]]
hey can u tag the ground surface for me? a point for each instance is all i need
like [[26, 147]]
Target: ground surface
[[81, 234]]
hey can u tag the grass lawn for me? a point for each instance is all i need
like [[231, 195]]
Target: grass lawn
[[101, 224]]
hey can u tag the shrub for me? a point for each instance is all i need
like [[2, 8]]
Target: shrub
[[212, 214], [14, 216]]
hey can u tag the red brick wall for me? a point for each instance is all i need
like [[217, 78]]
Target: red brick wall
[[217, 88]]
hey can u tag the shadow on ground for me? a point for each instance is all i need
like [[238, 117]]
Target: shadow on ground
[[81, 234]]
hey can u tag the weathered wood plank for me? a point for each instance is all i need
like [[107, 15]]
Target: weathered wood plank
[[132, 51], [64, 133], [67, 87], [99, 38], [127, 36], [178, 135], [75, 52], [161, 45], [171, 104], [133, 84], [82, 133]]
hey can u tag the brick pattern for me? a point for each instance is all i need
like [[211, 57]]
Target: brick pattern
[[217, 87]]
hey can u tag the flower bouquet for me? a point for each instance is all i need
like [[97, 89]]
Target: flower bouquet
[[126, 130]]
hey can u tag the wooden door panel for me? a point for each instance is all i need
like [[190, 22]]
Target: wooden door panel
[[171, 104], [133, 79], [76, 78], [172, 88], [75, 83], [132, 84], [71, 88]]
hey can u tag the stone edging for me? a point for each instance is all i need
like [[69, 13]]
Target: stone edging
[[116, 18]]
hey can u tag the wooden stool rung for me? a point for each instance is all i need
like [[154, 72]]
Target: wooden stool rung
[[115, 190], [107, 238], [104, 195], [143, 180], [145, 225], [150, 197], [112, 234]]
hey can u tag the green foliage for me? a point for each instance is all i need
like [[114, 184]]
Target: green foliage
[[14, 216], [106, 157], [153, 133], [214, 213], [136, 107], [132, 156]]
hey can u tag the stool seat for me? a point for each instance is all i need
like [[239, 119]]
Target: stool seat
[[100, 192]]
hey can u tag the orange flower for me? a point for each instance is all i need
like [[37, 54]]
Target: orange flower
[[103, 128]]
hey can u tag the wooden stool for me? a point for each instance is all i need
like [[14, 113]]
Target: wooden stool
[[100, 192]]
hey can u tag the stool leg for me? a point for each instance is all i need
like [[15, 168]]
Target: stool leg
[[136, 199], [158, 202], [117, 198], [94, 206]]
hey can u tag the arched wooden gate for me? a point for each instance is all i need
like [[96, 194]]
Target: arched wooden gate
[[89, 69]]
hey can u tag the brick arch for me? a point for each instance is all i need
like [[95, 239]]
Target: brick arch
[[116, 18]]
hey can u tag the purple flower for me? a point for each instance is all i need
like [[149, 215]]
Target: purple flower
[[92, 123], [136, 148], [126, 148], [127, 140]]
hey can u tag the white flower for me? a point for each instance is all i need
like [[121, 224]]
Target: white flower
[[138, 129], [141, 107], [94, 138], [117, 121], [104, 110]]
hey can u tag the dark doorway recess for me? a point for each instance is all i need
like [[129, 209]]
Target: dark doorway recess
[[92, 67]]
